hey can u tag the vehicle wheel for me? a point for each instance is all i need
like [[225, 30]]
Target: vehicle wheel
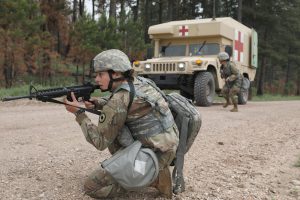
[[204, 89], [243, 96]]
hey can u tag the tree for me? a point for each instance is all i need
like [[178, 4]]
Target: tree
[[240, 8], [56, 12], [74, 12], [290, 34], [112, 9], [20, 22]]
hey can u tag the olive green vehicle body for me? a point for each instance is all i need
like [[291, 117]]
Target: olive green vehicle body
[[185, 56]]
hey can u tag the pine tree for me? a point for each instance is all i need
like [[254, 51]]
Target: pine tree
[[20, 22]]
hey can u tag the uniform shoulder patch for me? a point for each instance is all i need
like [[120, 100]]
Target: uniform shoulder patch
[[102, 117]]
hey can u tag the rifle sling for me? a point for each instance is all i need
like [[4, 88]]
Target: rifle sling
[[131, 94], [96, 112]]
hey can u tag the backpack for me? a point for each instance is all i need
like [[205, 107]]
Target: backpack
[[188, 121]]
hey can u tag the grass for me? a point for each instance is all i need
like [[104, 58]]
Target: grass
[[267, 97], [17, 91], [270, 97], [24, 90], [22, 85]]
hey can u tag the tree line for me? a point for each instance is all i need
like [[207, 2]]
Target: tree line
[[44, 38]]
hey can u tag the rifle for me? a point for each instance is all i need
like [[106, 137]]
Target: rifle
[[80, 91]]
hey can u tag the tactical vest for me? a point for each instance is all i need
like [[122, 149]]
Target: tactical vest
[[226, 70], [160, 117]]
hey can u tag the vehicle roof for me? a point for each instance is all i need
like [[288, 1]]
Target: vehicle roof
[[223, 26]]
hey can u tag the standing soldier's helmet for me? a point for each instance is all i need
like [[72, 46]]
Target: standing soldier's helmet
[[223, 56], [112, 59]]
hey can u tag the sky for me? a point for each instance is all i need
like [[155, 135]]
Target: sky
[[88, 6]]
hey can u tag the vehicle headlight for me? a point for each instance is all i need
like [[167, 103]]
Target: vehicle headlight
[[181, 66], [148, 66]]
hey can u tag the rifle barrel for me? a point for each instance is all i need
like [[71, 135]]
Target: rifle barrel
[[15, 98]]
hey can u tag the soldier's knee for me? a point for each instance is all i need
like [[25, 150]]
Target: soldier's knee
[[234, 91], [234, 99]]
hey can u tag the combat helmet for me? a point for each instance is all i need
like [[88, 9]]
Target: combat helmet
[[112, 59], [223, 56]]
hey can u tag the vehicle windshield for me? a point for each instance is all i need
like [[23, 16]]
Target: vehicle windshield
[[207, 49], [172, 50]]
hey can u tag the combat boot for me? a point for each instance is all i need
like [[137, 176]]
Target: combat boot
[[225, 105], [164, 183], [235, 108]]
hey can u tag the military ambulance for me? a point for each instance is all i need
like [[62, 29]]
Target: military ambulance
[[185, 56]]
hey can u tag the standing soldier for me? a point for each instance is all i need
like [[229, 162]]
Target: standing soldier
[[134, 104], [233, 80]]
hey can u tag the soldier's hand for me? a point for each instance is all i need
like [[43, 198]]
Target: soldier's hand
[[70, 104], [90, 104]]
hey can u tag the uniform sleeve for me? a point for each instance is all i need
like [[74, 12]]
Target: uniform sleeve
[[234, 72], [110, 122], [101, 102]]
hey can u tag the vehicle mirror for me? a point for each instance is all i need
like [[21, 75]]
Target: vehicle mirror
[[228, 49], [149, 53]]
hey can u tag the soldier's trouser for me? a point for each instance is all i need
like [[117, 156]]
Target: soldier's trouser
[[100, 184], [165, 158], [164, 181], [231, 93]]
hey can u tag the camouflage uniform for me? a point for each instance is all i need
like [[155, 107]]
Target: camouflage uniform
[[115, 115], [232, 83]]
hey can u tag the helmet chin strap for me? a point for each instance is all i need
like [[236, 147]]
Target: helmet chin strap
[[112, 80]]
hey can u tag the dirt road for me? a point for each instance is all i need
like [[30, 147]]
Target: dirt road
[[245, 155]]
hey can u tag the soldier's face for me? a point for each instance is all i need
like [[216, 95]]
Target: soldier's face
[[102, 79], [222, 62]]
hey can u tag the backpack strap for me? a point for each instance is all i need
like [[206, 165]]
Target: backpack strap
[[150, 82], [130, 88], [131, 93]]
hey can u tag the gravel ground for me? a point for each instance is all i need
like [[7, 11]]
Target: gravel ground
[[246, 155]]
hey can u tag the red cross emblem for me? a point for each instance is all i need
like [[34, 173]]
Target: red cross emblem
[[239, 46], [183, 30]]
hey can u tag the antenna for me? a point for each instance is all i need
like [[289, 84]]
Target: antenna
[[214, 10]]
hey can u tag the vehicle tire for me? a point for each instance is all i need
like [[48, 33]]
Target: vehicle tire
[[243, 96], [204, 89]]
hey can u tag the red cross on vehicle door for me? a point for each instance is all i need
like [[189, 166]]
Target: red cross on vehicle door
[[238, 46], [183, 30]]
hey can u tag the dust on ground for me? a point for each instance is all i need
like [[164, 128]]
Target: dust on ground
[[246, 155]]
